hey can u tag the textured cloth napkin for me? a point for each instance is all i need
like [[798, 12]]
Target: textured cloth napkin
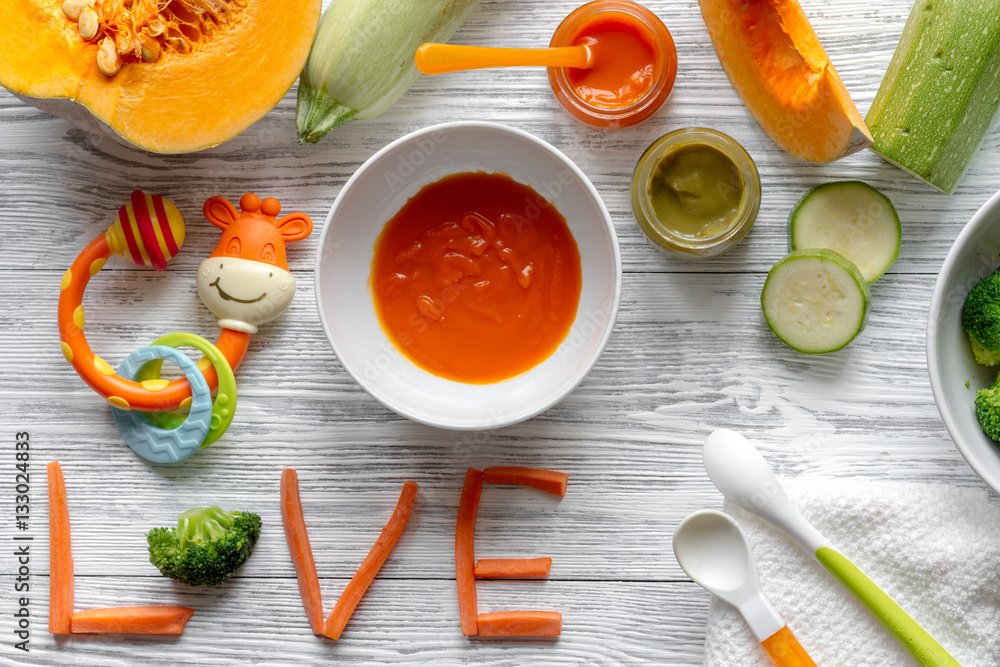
[[935, 549]]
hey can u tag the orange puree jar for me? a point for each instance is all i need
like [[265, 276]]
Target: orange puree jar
[[635, 63]]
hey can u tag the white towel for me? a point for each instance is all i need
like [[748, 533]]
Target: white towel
[[933, 548]]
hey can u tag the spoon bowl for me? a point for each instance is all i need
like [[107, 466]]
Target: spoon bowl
[[712, 549], [741, 472]]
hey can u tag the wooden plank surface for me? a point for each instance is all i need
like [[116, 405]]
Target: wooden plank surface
[[690, 352]]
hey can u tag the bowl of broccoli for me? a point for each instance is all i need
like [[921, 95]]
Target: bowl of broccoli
[[963, 342]]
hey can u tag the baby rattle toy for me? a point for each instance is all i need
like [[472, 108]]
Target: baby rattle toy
[[245, 282]]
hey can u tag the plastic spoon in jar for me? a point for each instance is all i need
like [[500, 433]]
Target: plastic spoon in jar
[[739, 470], [440, 58], [713, 550]]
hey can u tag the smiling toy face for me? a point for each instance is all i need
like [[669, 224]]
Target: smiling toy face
[[244, 293], [245, 281]]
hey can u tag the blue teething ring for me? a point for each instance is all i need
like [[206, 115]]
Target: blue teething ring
[[225, 400], [161, 445]]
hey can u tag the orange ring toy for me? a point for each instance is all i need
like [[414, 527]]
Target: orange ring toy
[[251, 286]]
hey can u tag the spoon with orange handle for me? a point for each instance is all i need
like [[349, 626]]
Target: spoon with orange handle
[[713, 550], [440, 58]]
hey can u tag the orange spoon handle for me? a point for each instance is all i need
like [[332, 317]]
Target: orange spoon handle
[[441, 58], [785, 650]]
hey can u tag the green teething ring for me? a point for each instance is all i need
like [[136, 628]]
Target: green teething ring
[[224, 406]]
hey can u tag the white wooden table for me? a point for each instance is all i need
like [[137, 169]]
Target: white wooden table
[[690, 352]]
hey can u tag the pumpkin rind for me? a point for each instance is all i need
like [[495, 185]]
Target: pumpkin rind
[[777, 64], [180, 102]]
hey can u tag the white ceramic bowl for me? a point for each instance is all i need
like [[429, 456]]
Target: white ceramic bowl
[[974, 255], [377, 191]]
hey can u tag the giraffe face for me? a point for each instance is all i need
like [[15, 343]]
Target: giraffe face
[[244, 293], [245, 281]]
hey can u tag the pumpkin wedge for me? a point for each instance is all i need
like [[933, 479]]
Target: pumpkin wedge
[[169, 77], [776, 63]]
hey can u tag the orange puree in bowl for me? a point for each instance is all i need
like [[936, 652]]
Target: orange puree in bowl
[[477, 278], [624, 61]]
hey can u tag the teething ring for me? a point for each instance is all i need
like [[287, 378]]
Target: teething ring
[[245, 282], [224, 406], [143, 217], [161, 445]]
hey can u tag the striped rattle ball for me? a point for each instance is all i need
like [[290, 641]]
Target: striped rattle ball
[[149, 230]]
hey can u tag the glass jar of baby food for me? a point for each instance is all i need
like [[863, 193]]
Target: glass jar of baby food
[[635, 63], [695, 193]]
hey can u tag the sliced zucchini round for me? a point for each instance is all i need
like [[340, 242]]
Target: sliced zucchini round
[[852, 218], [815, 301]]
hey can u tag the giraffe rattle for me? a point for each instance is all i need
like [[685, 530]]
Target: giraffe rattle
[[245, 282]]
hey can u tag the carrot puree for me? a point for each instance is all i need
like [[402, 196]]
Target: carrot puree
[[477, 278], [624, 61]]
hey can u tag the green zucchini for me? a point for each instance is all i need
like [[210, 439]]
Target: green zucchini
[[852, 218], [362, 59], [942, 91], [815, 301]]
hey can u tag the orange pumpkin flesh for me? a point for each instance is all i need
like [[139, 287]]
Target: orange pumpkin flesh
[[776, 63], [231, 77]]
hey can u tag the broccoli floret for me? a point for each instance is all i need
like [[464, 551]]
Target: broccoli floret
[[207, 547], [988, 409], [982, 355], [981, 319]]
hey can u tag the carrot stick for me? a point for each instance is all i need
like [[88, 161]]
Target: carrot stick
[[133, 620], [465, 558], [520, 624], [60, 554], [301, 552], [363, 578], [549, 481], [513, 568]]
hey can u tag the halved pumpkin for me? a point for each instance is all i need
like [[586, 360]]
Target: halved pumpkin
[[778, 66], [219, 64]]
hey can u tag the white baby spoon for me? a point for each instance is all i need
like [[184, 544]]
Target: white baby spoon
[[713, 550], [741, 473]]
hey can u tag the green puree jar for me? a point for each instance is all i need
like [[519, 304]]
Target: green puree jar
[[695, 193]]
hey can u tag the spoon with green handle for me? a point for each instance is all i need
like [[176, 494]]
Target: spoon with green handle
[[740, 472]]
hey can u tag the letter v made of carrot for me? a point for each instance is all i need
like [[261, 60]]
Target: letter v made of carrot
[[305, 567]]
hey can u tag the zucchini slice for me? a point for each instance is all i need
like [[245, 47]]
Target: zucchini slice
[[815, 301], [851, 218]]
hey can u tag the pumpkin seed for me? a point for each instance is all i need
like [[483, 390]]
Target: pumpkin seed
[[108, 60], [72, 8], [179, 44], [155, 27], [149, 48], [88, 23]]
